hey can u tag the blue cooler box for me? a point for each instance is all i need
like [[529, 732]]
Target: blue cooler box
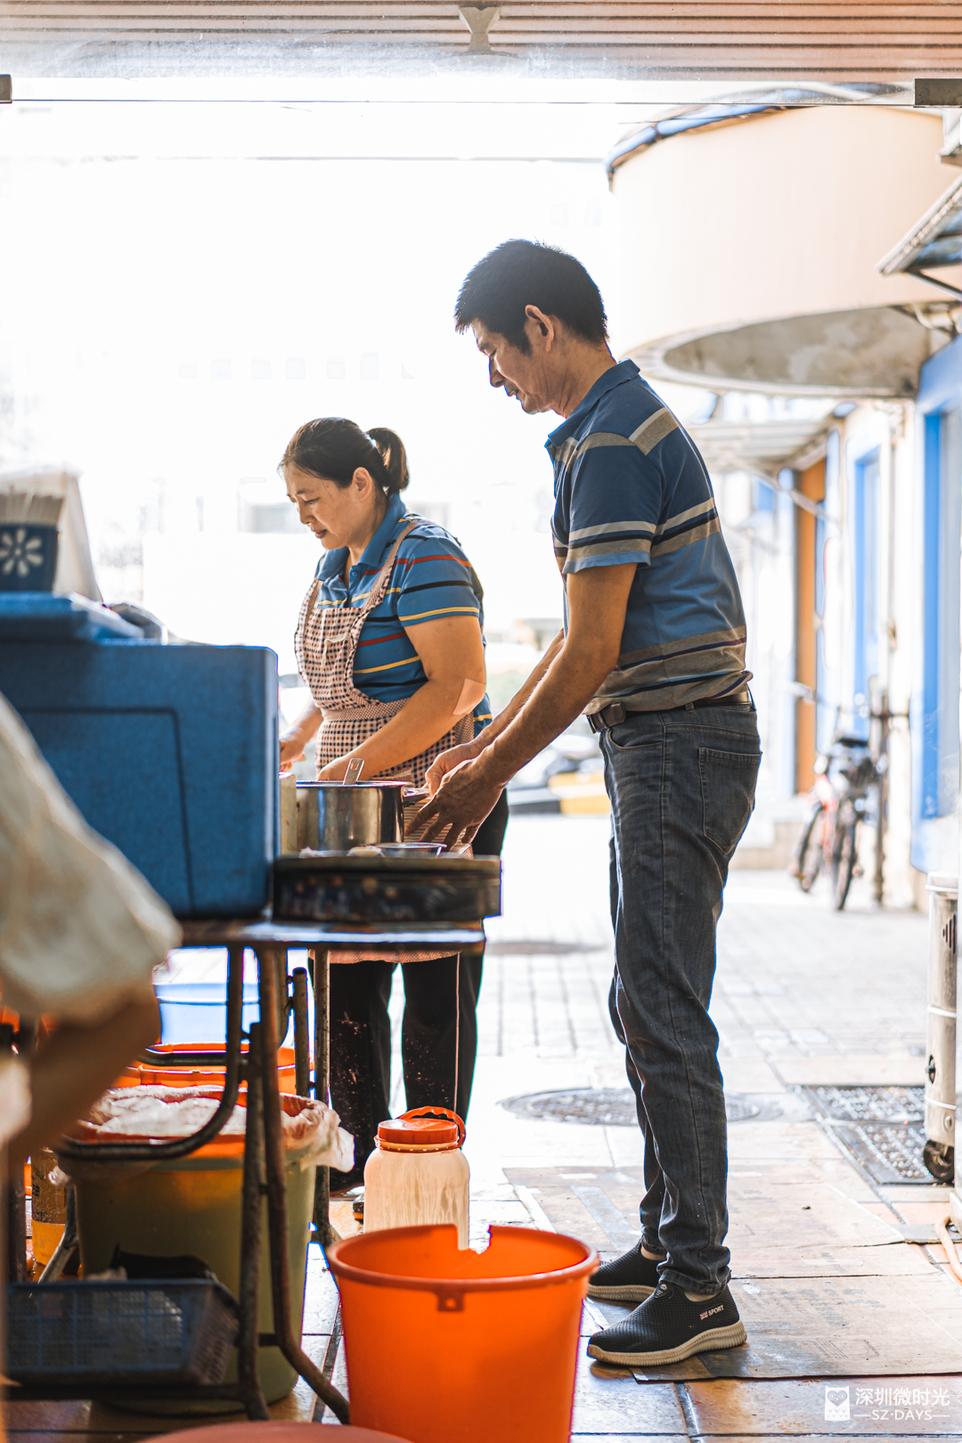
[[169, 751]]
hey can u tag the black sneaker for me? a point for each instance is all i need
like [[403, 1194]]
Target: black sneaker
[[628, 1279], [668, 1327]]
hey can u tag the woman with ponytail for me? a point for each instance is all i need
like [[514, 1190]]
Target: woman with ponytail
[[389, 641]]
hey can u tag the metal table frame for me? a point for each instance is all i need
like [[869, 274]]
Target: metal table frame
[[263, 1177]]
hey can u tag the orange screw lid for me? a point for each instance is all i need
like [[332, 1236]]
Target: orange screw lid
[[434, 1127]]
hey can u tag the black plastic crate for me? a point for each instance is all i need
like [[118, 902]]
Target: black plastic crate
[[150, 1332]]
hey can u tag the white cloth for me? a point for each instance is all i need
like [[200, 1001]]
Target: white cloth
[[80, 929], [312, 1134]]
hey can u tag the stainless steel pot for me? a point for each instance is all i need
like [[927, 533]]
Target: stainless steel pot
[[332, 817]]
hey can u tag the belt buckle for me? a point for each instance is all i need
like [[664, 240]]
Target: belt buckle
[[608, 717]]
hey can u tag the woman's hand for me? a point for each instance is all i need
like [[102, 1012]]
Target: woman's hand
[[335, 770], [296, 738], [450, 760], [292, 749]]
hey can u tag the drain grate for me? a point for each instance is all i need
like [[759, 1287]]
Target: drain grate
[[887, 1151], [882, 1128], [615, 1106], [869, 1104]]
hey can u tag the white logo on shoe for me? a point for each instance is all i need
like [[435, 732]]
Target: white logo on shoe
[[710, 1312]]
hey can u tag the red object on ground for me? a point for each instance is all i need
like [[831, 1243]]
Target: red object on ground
[[482, 1346], [274, 1433]]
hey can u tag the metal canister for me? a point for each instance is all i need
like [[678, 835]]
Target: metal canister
[[334, 817], [941, 1030]]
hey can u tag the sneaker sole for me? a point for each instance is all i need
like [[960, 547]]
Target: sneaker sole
[[716, 1338], [625, 1293]]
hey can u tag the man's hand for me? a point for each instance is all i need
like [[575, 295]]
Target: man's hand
[[450, 760], [579, 664], [465, 797]]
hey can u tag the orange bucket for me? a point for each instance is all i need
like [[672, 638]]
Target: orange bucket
[[505, 1322], [153, 1074]]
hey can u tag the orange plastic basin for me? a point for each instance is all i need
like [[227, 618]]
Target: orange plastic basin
[[152, 1074]]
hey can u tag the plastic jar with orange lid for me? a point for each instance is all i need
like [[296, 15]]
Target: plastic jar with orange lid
[[417, 1174]]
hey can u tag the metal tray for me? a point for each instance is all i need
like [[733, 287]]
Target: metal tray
[[413, 889]]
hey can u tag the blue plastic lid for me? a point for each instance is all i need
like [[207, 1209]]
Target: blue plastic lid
[[41, 616]]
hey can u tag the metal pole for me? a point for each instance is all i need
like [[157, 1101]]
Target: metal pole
[[252, 1204], [322, 1084], [277, 1201], [882, 793]]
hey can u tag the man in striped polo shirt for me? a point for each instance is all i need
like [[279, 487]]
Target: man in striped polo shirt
[[653, 650]]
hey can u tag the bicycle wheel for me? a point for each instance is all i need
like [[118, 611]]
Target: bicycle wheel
[[844, 856], [808, 854]]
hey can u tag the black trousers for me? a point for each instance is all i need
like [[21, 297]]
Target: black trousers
[[439, 1025]]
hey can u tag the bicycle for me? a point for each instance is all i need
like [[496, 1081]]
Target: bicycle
[[850, 785]]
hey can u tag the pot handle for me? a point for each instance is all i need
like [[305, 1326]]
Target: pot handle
[[440, 1112]]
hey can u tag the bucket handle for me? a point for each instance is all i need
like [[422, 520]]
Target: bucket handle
[[440, 1112]]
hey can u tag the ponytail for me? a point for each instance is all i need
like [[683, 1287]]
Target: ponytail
[[393, 456], [333, 448]]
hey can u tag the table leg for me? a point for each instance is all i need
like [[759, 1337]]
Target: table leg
[[15, 1201], [253, 1192], [322, 1084], [277, 1202], [302, 1041]]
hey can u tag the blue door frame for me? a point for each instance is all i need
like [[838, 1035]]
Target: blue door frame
[[867, 541]]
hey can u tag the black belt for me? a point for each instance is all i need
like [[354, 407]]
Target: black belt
[[615, 713]]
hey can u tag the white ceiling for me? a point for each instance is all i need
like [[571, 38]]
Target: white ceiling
[[682, 40]]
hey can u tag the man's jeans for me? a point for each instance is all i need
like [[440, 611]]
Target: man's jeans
[[682, 788]]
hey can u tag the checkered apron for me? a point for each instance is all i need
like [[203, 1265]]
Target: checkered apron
[[325, 645]]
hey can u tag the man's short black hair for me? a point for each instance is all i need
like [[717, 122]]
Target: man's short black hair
[[521, 273]]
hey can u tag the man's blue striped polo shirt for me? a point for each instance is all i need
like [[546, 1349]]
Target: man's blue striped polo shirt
[[631, 487], [431, 578]]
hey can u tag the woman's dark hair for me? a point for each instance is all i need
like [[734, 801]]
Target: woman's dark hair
[[521, 273], [334, 448]]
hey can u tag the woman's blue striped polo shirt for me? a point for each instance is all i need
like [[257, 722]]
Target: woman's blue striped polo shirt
[[431, 578]]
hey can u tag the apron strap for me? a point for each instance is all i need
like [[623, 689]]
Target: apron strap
[[384, 575]]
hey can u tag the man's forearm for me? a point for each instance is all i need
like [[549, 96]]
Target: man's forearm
[[567, 686], [505, 717]]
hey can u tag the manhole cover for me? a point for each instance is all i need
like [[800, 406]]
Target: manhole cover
[[615, 1106]]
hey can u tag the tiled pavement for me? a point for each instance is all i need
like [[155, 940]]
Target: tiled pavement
[[803, 997]]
